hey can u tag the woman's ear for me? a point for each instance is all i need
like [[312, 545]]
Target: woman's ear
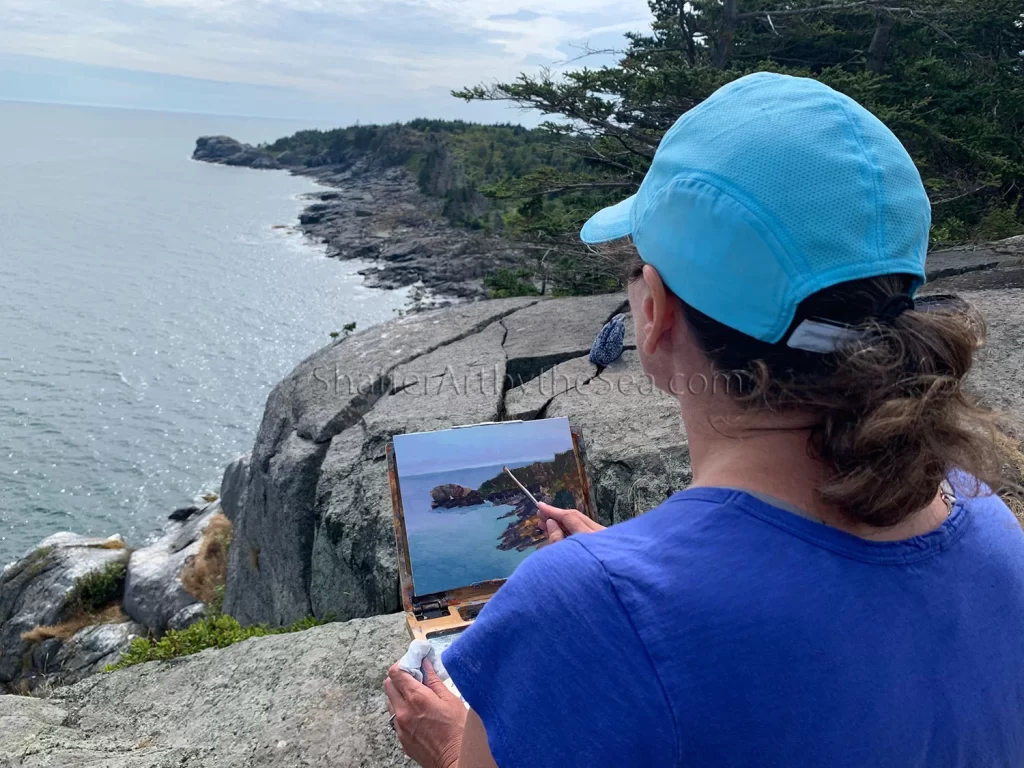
[[657, 312]]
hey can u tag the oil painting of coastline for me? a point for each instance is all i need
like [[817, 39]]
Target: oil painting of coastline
[[466, 520]]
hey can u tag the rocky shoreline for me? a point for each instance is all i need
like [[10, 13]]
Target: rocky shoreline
[[379, 214]]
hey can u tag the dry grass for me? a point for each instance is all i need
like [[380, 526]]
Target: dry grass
[[112, 614], [110, 543], [205, 574], [1013, 493], [1016, 505]]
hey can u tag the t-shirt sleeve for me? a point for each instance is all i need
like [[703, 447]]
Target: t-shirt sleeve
[[557, 673]]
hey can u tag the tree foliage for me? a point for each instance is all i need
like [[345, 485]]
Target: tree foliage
[[451, 159], [945, 75]]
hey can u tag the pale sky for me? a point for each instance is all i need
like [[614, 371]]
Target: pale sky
[[334, 61], [508, 443]]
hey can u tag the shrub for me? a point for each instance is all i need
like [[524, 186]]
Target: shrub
[[1001, 222], [217, 631], [506, 283], [96, 589]]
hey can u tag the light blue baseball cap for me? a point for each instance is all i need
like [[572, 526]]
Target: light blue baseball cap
[[770, 190]]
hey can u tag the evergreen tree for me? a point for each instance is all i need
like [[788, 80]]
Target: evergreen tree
[[947, 76]]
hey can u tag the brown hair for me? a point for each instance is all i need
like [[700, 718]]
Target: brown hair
[[893, 417]]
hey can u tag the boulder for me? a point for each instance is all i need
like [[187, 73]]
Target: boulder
[[991, 276], [35, 592], [182, 514], [308, 698], [153, 592], [213, 149], [92, 649], [353, 569]]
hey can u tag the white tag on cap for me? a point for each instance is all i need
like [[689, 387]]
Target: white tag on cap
[[823, 337]]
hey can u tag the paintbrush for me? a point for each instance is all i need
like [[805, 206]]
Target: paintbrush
[[522, 487]]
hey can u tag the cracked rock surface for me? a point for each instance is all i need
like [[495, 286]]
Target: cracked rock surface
[[311, 698]]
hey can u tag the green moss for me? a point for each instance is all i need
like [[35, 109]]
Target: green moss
[[218, 631], [97, 589]]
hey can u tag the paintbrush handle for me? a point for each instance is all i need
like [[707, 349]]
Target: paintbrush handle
[[521, 486]]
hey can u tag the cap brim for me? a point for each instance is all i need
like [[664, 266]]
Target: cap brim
[[612, 223]]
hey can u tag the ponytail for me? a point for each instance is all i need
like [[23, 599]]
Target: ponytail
[[893, 416]]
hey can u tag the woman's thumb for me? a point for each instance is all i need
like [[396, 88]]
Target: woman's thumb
[[431, 679]]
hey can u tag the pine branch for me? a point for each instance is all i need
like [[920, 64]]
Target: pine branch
[[879, 5], [588, 185]]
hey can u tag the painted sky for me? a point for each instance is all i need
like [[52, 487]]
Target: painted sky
[[326, 61], [511, 443]]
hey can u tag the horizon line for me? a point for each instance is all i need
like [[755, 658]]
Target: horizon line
[[314, 122]]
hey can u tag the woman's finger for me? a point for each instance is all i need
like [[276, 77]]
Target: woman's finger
[[554, 531], [569, 520], [395, 698], [547, 511], [404, 684], [574, 521]]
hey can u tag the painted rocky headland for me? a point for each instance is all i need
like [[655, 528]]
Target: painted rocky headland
[[553, 482], [312, 534]]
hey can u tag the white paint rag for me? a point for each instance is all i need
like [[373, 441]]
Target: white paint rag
[[412, 662]]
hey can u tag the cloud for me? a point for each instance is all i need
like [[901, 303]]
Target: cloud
[[351, 50]]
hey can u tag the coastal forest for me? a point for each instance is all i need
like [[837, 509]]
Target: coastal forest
[[947, 76]]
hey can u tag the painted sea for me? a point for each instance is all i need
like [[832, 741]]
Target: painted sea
[[456, 547]]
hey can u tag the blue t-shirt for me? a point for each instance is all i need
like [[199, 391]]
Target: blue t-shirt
[[719, 630]]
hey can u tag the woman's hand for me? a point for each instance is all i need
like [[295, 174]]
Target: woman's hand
[[560, 523], [428, 718]]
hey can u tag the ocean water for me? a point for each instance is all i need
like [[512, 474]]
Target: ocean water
[[147, 306], [456, 547]]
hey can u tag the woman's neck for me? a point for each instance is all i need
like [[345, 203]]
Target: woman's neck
[[773, 459]]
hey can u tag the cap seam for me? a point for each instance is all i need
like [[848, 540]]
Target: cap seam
[[726, 188], [873, 172]]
